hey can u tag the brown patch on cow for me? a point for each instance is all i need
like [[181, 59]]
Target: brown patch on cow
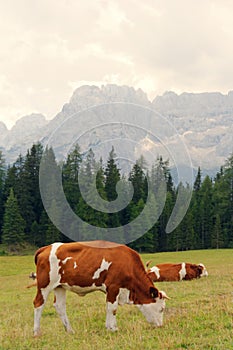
[[39, 300], [42, 268], [192, 271], [169, 272]]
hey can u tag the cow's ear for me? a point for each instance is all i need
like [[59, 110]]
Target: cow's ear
[[154, 292], [147, 264]]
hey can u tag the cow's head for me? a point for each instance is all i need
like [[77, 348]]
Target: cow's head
[[154, 311], [202, 270]]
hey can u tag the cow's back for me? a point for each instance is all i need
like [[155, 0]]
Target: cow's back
[[85, 263]]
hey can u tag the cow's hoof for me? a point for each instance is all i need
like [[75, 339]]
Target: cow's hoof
[[37, 334], [70, 331], [113, 329]]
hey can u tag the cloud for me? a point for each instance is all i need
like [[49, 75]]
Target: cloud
[[49, 47]]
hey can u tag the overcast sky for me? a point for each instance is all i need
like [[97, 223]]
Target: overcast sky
[[48, 48]]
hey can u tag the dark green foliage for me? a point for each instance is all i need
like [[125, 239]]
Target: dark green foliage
[[70, 176], [112, 176], [208, 222], [13, 223]]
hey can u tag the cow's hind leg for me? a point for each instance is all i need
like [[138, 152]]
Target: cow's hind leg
[[39, 303], [60, 306]]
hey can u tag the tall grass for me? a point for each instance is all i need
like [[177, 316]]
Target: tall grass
[[199, 315]]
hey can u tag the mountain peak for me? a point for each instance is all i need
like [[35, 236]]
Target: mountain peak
[[35, 119], [87, 96]]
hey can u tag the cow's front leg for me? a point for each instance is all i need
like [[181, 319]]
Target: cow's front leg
[[111, 322]]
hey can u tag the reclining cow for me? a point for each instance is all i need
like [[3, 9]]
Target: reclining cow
[[84, 267], [175, 272]]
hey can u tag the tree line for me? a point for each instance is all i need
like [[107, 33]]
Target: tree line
[[208, 222]]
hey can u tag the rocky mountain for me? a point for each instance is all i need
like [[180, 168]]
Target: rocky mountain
[[202, 122], [205, 122], [19, 139]]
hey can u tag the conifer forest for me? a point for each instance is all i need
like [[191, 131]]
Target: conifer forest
[[208, 223]]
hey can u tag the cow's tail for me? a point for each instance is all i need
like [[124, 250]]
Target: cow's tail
[[37, 253]]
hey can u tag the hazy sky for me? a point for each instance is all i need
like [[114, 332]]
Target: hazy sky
[[48, 48]]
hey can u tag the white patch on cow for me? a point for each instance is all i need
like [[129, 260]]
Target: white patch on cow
[[111, 323], [66, 259], [54, 276], [182, 271], [75, 265], [104, 266], [153, 312], [204, 271], [155, 269]]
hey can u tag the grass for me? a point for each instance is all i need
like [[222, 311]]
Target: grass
[[199, 315]]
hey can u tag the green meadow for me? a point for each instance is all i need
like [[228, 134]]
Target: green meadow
[[199, 315]]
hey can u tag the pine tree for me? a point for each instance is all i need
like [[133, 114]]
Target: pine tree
[[52, 233], [31, 170], [52, 192], [206, 212], [13, 223], [92, 182], [138, 179], [195, 207], [197, 182], [228, 217], [112, 176], [217, 238], [70, 178], [161, 176], [28, 192]]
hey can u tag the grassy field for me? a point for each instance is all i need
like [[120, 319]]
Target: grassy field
[[199, 315]]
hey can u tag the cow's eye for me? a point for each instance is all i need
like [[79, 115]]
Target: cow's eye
[[161, 310]]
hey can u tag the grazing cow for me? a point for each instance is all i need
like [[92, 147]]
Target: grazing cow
[[176, 272], [83, 267]]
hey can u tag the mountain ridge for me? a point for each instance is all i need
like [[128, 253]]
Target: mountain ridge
[[204, 121]]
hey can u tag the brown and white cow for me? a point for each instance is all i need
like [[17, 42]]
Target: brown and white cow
[[83, 267], [176, 272]]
